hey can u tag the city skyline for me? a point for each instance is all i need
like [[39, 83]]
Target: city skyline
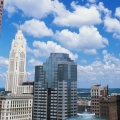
[[66, 27]]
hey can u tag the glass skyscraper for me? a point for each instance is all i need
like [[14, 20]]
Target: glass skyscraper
[[55, 88]]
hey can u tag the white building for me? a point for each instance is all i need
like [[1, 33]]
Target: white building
[[15, 107], [17, 63], [16, 104]]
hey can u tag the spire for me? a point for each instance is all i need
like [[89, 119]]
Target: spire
[[19, 35], [19, 27]]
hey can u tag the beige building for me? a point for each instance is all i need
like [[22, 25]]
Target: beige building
[[97, 91], [13, 107]]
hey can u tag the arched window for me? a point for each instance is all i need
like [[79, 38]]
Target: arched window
[[22, 55]]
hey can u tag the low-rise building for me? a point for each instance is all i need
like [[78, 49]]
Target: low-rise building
[[16, 107], [110, 107], [84, 105]]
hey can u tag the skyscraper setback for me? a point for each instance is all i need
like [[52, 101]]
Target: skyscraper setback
[[55, 88]]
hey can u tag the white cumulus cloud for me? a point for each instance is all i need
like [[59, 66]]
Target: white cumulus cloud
[[90, 51], [92, 1], [102, 9], [112, 24], [34, 62], [43, 49], [9, 7], [3, 61], [36, 28], [80, 16], [103, 71], [30, 8], [117, 12], [116, 36], [87, 39]]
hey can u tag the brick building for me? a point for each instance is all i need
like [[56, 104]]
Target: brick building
[[110, 107], [97, 91]]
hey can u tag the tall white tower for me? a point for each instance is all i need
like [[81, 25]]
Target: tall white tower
[[17, 63]]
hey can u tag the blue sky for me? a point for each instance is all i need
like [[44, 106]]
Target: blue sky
[[88, 30]]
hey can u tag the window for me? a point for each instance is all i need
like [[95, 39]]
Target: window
[[1, 2]]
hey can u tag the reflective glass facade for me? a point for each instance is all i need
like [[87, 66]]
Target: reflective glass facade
[[58, 77]]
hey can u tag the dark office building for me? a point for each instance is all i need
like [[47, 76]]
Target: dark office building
[[55, 89]]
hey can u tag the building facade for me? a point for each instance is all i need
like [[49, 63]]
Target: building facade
[[16, 103], [110, 107], [1, 12], [16, 107], [55, 89], [84, 105], [17, 64], [97, 91]]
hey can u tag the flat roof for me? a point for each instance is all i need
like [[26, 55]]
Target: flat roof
[[16, 96]]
